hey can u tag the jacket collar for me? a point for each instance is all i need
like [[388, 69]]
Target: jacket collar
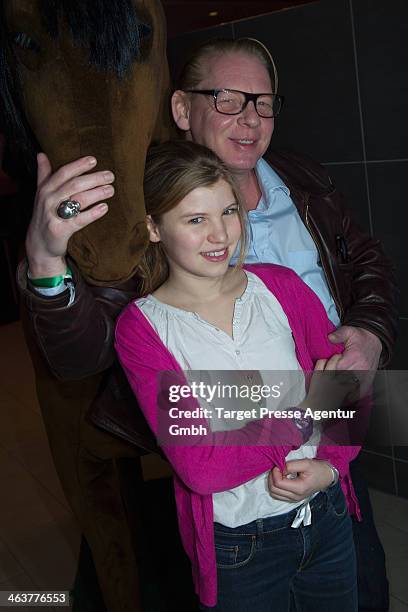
[[301, 174]]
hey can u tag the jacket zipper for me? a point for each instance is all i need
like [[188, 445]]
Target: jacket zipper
[[328, 279]]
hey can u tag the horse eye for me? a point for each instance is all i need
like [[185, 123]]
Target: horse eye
[[25, 41], [144, 30]]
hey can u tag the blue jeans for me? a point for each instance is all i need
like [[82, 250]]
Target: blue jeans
[[372, 580], [269, 566]]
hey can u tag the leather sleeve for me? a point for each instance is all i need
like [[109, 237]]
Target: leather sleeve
[[76, 341], [374, 290], [370, 300]]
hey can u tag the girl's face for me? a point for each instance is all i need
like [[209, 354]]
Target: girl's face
[[200, 234]]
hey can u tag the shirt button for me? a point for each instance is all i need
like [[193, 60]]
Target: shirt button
[[237, 352]]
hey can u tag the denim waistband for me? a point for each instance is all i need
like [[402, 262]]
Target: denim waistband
[[318, 505]]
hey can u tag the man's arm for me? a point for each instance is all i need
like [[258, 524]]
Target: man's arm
[[77, 340], [74, 331], [372, 289], [369, 325]]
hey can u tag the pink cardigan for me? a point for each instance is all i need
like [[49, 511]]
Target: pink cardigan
[[203, 470]]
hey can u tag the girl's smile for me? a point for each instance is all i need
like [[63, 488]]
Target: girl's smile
[[216, 255]]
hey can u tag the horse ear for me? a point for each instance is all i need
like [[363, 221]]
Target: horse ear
[[180, 106]]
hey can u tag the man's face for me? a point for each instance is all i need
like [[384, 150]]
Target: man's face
[[239, 140]]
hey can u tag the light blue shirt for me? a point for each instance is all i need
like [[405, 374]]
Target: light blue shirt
[[276, 234]]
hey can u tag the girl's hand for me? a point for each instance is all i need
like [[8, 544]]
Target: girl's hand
[[48, 234], [307, 477]]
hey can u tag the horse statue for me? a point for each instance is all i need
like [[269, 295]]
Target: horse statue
[[90, 77]]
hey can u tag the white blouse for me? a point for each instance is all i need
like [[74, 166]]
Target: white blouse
[[262, 341]]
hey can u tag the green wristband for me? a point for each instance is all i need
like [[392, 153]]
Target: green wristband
[[51, 281]]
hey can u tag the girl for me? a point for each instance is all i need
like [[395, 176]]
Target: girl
[[266, 526]]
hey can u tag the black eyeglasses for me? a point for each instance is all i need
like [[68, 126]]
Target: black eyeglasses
[[233, 101]]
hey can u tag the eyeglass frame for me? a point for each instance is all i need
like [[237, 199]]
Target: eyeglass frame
[[249, 97]]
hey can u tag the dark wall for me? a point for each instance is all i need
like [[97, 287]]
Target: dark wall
[[343, 70]]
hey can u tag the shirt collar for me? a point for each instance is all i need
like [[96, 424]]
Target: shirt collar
[[269, 182]]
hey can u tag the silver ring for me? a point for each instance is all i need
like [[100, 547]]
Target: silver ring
[[68, 209]]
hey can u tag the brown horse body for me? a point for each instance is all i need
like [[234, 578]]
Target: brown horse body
[[76, 107]]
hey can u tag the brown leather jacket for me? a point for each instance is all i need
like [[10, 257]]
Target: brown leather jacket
[[78, 342], [359, 275]]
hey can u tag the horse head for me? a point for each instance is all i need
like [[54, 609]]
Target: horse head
[[90, 77]]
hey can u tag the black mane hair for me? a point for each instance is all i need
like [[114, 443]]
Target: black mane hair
[[21, 143], [110, 29]]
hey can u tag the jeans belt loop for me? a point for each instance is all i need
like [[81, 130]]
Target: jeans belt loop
[[259, 533]]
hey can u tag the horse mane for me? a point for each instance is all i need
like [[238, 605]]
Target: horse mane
[[20, 141], [111, 31]]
